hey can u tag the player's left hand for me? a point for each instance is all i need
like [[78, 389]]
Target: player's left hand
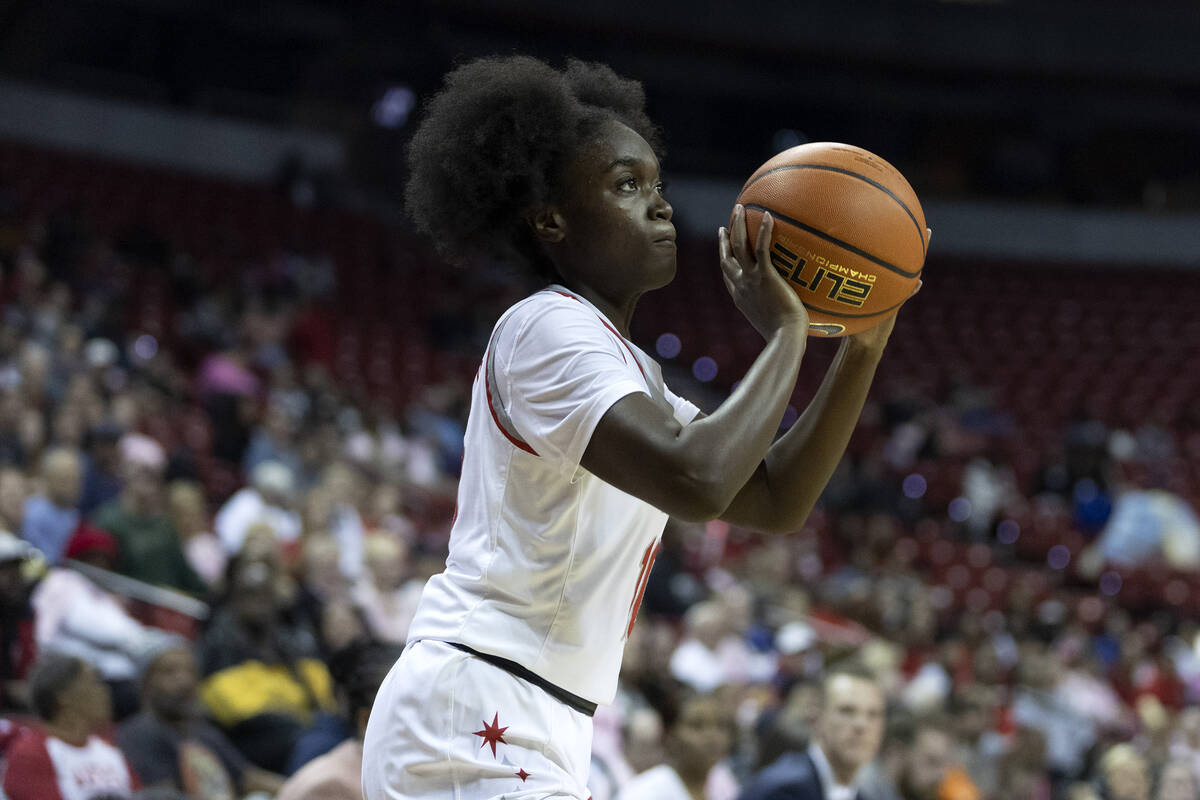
[[876, 338]]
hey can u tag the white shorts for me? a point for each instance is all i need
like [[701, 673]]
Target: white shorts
[[446, 724]]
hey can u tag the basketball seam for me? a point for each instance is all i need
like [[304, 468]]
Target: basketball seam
[[834, 240], [827, 312], [851, 173]]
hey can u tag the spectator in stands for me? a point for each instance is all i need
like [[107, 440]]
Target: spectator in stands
[[1023, 769], [1082, 791], [345, 486], [170, 743], [76, 616], [358, 670], [919, 762], [322, 585], [1151, 525], [847, 735], [263, 681], [189, 514], [18, 648], [387, 593], [1124, 774], [14, 491], [268, 499], [101, 475], [148, 543], [274, 440], [1177, 780], [697, 737], [696, 661], [974, 709], [1185, 743], [70, 756], [1038, 704], [52, 515]]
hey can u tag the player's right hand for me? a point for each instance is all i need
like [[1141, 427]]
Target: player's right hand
[[758, 291]]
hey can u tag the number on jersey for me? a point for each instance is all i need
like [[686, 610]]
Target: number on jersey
[[643, 578]]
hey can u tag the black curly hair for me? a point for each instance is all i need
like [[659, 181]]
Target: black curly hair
[[492, 146]]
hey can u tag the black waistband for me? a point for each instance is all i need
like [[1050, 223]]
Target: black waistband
[[513, 668]]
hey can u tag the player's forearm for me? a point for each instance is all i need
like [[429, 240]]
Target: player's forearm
[[725, 448], [783, 491]]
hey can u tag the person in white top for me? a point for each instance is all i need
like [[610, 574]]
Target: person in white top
[[576, 451]]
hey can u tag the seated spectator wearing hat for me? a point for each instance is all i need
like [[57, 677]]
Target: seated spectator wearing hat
[[171, 744], [73, 615], [358, 669], [268, 499], [263, 681], [69, 757], [846, 737], [52, 515], [150, 547], [18, 648]]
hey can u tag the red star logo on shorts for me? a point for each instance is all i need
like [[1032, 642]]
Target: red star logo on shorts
[[522, 774], [492, 733]]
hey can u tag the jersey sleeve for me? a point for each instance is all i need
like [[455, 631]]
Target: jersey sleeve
[[559, 371]]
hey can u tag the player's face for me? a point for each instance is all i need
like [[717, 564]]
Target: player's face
[[619, 239]]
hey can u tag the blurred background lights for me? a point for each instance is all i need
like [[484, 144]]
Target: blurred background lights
[[668, 345], [914, 486], [1008, 531], [393, 108], [145, 347], [960, 509], [1058, 557], [705, 369], [1110, 583]]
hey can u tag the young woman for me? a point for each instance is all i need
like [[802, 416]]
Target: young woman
[[576, 451], [697, 735]]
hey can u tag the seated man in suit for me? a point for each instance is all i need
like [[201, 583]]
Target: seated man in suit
[[846, 737]]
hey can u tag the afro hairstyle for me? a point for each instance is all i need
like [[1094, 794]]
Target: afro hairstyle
[[492, 146]]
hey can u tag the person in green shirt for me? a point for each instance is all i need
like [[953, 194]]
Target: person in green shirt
[[150, 547]]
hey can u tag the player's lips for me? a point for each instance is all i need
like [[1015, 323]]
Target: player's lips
[[666, 239]]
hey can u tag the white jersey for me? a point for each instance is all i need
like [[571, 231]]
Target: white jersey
[[547, 562]]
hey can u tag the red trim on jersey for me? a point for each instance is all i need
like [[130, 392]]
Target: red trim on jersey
[[522, 445]]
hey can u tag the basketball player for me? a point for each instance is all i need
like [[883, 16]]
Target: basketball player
[[576, 451]]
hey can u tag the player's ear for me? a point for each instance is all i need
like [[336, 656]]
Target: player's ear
[[548, 225]]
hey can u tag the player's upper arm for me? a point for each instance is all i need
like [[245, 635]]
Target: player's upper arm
[[639, 447]]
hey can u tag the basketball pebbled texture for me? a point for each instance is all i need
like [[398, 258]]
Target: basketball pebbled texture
[[849, 236]]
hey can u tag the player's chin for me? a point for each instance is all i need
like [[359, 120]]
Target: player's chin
[[661, 266]]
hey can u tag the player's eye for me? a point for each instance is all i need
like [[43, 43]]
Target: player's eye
[[661, 187], [628, 182]]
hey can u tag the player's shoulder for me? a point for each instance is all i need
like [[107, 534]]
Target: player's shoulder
[[549, 316], [548, 302]]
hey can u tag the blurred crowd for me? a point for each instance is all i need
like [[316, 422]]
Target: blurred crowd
[[211, 550]]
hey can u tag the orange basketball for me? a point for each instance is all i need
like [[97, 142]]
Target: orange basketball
[[849, 234]]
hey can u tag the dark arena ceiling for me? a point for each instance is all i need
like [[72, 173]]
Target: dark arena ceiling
[[1083, 102]]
